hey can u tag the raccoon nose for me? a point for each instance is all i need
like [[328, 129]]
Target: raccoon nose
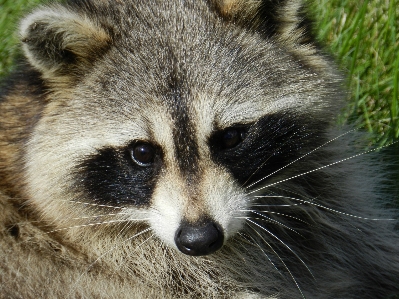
[[203, 239]]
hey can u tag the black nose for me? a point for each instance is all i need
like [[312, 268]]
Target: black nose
[[199, 239]]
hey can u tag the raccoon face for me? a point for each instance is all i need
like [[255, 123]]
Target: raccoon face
[[164, 118]]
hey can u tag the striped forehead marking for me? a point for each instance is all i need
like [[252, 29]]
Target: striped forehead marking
[[184, 133]]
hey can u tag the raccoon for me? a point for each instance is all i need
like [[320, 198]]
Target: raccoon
[[184, 149]]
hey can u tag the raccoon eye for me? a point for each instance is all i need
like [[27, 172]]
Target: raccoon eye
[[231, 137], [143, 153]]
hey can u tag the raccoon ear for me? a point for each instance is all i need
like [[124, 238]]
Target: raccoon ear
[[237, 9], [284, 19], [58, 42]]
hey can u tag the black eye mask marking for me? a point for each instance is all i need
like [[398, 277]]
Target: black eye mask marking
[[120, 176], [252, 151]]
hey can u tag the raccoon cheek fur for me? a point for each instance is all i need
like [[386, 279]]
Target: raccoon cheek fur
[[185, 149]]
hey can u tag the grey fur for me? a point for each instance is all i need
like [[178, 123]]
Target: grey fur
[[175, 73]]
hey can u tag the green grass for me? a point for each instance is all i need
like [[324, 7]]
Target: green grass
[[362, 35], [10, 12]]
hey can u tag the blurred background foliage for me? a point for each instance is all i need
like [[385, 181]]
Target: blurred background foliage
[[364, 38]]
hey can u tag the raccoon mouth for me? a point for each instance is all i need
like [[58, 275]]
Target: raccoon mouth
[[199, 239]]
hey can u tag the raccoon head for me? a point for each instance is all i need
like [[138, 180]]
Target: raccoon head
[[162, 113]]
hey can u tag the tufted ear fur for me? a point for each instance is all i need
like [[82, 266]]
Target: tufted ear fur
[[284, 19], [237, 10], [58, 42]]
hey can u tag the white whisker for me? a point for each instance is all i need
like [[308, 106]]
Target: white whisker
[[264, 162], [77, 218], [266, 218], [281, 242], [284, 215], [300, 158], [318, 168], [324, 207], [97, 216], [287, 205], [278, 256], [94, 224], [95, 205], [261, 249]]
